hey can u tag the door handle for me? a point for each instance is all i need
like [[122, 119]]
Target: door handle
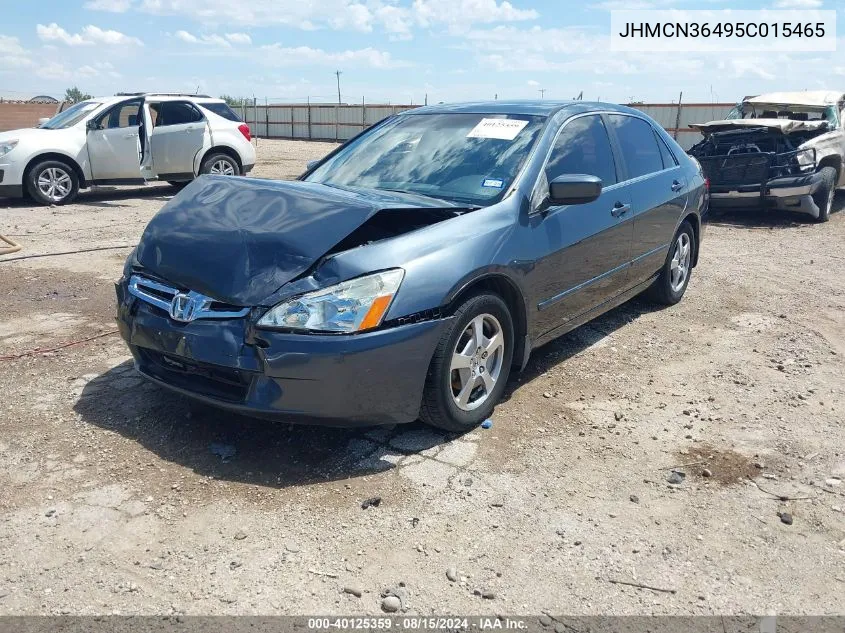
[[677, 186], [620, 209], [130, 136]]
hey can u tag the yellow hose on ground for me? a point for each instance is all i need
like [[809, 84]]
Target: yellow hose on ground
[[13, 247]]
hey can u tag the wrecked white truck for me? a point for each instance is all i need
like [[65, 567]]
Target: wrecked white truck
[[783, 150]]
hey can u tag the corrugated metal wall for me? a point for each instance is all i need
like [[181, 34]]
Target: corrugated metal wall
[[315, 121], [342, 122]]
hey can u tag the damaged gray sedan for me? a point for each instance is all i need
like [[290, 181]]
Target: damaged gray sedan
[[406, 274]]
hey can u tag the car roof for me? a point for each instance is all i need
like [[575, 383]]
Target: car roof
[[536, 107], [811, 98], [158, 97]]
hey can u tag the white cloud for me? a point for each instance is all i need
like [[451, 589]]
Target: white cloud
[[12, 54], [355, 15], [798, 4], [239, 38], [54, 33], [533, 83], [98, 69], [304, 55], [112, 6], [90, 35], [213, 39]]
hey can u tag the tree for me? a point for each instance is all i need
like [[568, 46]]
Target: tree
[[75, 95], [236, 102]]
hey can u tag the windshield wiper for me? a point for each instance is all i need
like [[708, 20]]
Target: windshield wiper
[[462, 201]]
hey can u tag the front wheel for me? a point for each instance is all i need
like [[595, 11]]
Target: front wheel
[[470, 366], [220, 165], [824, 196], [672, 282], [52, 182]]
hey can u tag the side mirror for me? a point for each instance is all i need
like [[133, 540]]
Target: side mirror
[[91, 125], [574, 189], [311, 164]]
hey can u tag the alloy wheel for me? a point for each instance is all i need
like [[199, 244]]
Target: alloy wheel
[[680, 264], [222, 167], [55, 183], [477, 362]]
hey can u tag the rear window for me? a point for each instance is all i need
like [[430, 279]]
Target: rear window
[[222, 109]]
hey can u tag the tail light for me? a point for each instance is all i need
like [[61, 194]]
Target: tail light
[[243, 128], [707, 184]]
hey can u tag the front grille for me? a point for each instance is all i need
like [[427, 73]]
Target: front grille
[[214, 381], [737, 169], [161, 296]]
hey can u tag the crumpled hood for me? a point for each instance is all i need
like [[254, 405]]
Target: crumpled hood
[[787, 126], [240, 239]]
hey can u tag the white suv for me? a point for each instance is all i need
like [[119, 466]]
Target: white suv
[[127, 139]]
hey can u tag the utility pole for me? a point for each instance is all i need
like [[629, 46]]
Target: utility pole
[[338, 73], [542, 92]]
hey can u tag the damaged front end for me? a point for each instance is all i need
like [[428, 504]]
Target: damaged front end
[[759, 163], [201, 301]]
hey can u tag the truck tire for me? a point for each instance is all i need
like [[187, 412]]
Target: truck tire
[[824, 196]]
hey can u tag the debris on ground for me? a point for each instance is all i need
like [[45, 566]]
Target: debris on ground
[[372, 502], [226, 452]]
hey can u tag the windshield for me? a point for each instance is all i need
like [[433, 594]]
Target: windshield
[[792, 112], [73, 115], [465, 158]]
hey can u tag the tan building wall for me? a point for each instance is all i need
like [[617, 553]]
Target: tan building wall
[[20, 115]]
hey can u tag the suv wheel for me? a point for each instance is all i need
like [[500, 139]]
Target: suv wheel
[[824, 196], [220, 165], [52, 182], [672, 282], [470, 366]]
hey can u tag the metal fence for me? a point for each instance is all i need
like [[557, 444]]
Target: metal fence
[[314, 121], [327, 122], [676, 118]]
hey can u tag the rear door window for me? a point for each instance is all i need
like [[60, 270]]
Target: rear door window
[[638, 143], [222, 109], [177, 113], [583, 147], [666, 154]]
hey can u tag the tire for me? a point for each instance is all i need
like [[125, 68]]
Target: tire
[[220, 164], [824, 196], [439, 405], [672, 282], [52, 182]]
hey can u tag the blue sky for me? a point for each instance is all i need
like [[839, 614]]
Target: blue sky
[[387, 50]]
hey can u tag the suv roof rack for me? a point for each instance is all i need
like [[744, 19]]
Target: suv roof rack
[[161, 94]]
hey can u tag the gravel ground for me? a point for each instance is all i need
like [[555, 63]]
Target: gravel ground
[[117, 497]]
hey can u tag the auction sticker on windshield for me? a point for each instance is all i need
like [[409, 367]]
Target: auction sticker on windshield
[[503, 129]]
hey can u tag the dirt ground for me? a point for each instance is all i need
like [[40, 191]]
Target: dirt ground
[[117, 497]]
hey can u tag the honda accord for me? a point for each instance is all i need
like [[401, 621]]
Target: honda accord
[[405, 275]]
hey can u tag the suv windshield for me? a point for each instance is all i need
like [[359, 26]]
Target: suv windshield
[[459, 157], [73, 115]]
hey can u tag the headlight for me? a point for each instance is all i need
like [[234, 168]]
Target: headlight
[[7, 146], [352, 306]]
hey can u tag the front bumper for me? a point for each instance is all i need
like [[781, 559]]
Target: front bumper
[[781, 192], [788, 193], [343, 380], [11, 179]]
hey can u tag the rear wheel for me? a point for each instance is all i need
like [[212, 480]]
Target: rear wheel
[[220, 165], [824, 196], [52, 182], [672, 282], [470, 366]]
